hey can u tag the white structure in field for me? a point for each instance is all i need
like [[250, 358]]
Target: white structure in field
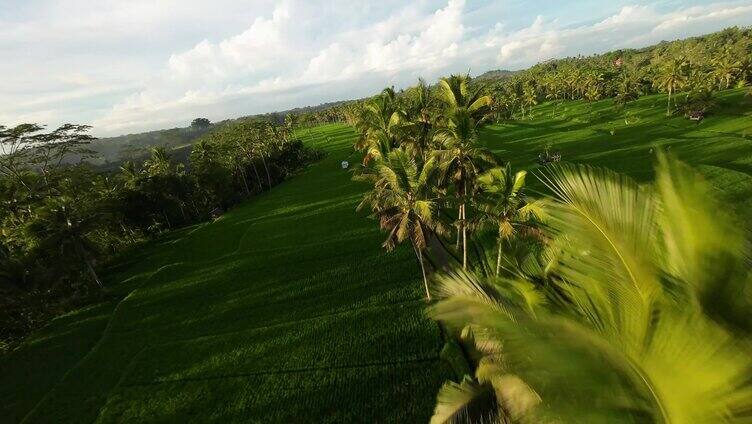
[[345, 164]]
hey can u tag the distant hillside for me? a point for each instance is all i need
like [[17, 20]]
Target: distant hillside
[[136, 146], [112, 151], [496, 74], [279, 117]]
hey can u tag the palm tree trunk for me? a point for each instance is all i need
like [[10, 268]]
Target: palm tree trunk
[[498, 259], [182, 211], [93, 273], [266, 168], [245, 180], [423, 270], [459, 227], [668, 104], [464, 239], [258, 177], [164, 214], [87, 260]]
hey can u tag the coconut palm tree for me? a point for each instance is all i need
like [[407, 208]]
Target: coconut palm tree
[[504, 206], [670, 78], [725, 68], [628, 89], [529, 98], [419, 114], [554, 89], [380, 124], [261, 148], [461, 161], [493, 394], [61, 226], [291, 122], [129, 174], [403, 200], [159, 162], [593, 86], [644, 316], [241, 138], [455, 93]]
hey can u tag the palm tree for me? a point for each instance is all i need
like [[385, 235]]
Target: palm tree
[[725, 68], [461, 161], [61, 226], [159, 162], [380, 124], [592, 87], [403, 201], [418, 125], [291, 122], [241, 137], [504, 206], [262, 148], [130, 174], [554, 89], [628, 89], [671, 78], [529, 98], [643, 317], [493, 394], [572, 78], [455, 93]]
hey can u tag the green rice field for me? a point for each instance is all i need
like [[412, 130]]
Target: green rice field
[[287, 309]]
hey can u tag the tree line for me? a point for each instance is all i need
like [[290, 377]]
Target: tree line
[[688, 71], [60, 222]]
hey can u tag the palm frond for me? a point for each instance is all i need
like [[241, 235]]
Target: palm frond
[[467, 402]]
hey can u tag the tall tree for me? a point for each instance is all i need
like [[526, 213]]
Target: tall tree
[[461, 160], [419, 119], [404, 201], [670, 78], [200, 123], [455, 92], [504, 206], [380, 124], [725, 68], [64, 226]]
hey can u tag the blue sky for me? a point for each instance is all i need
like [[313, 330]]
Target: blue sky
[[129, 66]]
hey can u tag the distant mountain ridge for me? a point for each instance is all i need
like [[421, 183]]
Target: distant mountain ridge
[[496, 74], [113, 151]]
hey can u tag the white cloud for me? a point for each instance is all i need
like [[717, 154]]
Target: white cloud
[[258, 48], [631, 26], [274, 57], [131, 66], [701, 19]]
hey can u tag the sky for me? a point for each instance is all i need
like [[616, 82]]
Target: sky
[[131, 66]]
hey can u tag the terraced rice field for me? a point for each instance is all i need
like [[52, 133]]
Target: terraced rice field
[[287, 309], [720, 146]]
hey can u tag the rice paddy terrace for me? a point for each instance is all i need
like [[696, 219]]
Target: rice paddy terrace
[[287, 309], [719, 146]]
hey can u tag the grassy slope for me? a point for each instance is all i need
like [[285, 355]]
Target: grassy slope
[[284, 309], [287, 308], [720, 146]]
